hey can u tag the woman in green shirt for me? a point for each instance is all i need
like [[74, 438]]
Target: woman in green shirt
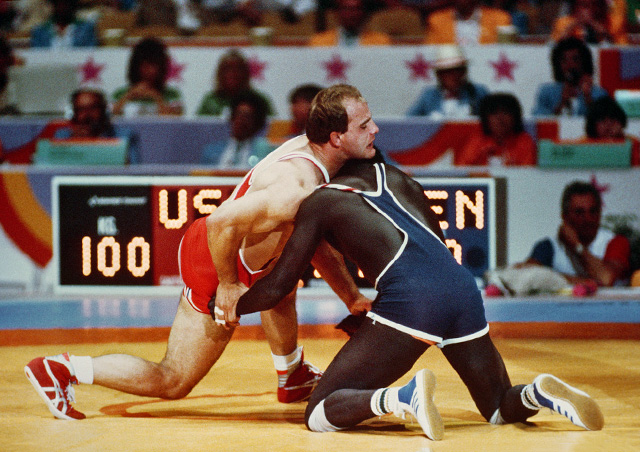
[[233, 77], [147, 92]]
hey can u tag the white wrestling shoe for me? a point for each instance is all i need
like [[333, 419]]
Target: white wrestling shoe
[[551, 392], [416, 398]]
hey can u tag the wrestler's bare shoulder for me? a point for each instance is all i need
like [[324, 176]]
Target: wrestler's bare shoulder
[[287, 162]]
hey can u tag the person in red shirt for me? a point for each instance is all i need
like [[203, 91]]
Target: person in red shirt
[[503, 140]]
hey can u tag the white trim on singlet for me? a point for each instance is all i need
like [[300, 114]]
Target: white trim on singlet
[[437, 340], [376, 193], [405, 329], [468, 337], [244, 264]]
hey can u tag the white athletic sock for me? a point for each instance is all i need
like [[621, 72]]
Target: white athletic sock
[[83, 367], [496, 419], [384, 401], [318, 420], [286, 363], [528, 398]]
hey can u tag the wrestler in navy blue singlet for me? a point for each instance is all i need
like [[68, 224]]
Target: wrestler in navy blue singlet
[[423, 291]]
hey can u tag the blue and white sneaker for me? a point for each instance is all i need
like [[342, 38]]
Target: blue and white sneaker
[[416, 398], [553, 393]]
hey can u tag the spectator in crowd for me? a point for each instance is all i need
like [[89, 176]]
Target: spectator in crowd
[[244, 148], [7, 59], [126, 5], [147, 92], [592, 21], [91, 120], [189, 15], [606, 120], [156, 13], [28, 14], [351, 31], [8, 15], [182, 15], [251, 12], [573, 90], [454, 96], [583, 250], [299, 104], [64, 30], [629, 9], [466, 22], [232, 78], [503, 140], [519, 12]]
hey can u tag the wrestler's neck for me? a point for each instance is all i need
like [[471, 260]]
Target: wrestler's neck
[[329, 156]]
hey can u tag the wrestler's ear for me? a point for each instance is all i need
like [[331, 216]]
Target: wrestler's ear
[[335, 139]]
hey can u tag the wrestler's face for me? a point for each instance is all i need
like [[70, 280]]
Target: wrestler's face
[[357, 141]]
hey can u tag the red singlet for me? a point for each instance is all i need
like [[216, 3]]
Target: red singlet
[[194, 258]]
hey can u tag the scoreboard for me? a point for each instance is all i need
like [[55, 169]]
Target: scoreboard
[[120, 234]]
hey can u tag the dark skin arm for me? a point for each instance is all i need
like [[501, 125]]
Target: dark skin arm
[[295, 257], [341, 218]]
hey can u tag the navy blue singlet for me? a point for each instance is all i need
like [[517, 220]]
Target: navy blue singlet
[[423, 291]]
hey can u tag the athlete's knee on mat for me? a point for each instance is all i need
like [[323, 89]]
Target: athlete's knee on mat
[[176, 392], [316, 420], [175, 386]]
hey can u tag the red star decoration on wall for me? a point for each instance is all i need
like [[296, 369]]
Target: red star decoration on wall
[[504, 67], [91, 71], [175, 71], [336, 68], [256, 68], [419, 67]]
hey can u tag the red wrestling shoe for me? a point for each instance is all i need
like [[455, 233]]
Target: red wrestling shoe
[[52, 378], [298, 385]]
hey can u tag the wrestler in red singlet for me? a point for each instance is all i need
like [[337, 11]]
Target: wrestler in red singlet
[[194, 258]]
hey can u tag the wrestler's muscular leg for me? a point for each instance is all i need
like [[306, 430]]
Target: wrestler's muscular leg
[[374, 357], [280, 326], [481, 368], [195, 344]]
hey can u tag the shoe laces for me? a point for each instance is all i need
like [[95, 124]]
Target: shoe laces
[[401, 410], [71, 393], [311, 367], [64, 395]]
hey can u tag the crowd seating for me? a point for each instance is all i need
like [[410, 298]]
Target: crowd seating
[[403, 24]]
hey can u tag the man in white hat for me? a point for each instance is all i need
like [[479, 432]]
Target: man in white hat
[[454, 96]]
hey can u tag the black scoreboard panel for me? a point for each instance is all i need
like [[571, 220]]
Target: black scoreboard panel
[[124, 231]]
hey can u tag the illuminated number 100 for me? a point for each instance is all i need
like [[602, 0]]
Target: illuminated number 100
[[109, 269]]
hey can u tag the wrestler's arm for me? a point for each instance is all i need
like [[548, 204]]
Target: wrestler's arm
[[261, 210], [331, 266], [295, 257]]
